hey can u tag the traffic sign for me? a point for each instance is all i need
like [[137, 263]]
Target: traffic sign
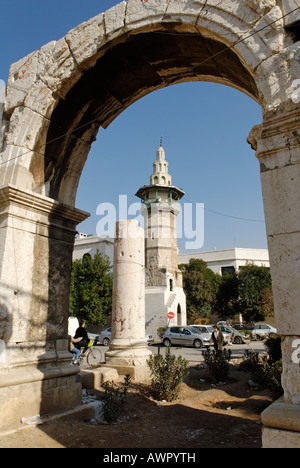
[[171, 315]]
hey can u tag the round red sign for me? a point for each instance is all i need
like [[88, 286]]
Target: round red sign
[[171, 315]]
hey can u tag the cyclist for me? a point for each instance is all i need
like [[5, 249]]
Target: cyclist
[[82, 333]]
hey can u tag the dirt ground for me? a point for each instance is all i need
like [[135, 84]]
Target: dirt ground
[[224, 416]]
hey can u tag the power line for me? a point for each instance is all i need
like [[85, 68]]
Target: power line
[[235, 217]]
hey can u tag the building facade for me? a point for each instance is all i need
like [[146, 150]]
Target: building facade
[[228, 260]]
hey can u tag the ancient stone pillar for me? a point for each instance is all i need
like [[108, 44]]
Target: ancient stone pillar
[[36, 244], [129, 351], [277, 143]]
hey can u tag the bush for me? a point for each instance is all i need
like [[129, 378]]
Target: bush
[[273, 345], [161, 331], [268, 375], [250, 361], [114, 399], [218, 364], [266, 372], [167, 375]]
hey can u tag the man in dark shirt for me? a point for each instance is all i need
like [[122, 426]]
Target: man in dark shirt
[[82, 333]]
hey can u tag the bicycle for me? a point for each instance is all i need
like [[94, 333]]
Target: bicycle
[[92, 355]]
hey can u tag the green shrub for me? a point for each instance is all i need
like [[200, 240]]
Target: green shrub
[[273, 345], [267, 371], [167, 375], [268, 375], [114, 399], [218, 364], [250, 361], [160, 331]]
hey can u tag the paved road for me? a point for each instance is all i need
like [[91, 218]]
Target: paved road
[[195, 355]]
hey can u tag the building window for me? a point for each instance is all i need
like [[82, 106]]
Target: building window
[[228, 270]]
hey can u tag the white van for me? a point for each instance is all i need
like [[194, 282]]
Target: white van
[[73, 324]]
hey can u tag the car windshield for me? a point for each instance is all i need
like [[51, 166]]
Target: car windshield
[[194, 330]]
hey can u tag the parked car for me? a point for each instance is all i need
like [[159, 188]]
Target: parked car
[[206, 332], [236, 336], [184, 336], [262, 330], [105, 337], [242, 326]]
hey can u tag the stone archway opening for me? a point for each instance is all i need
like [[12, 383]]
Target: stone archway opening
[[134, 68], [57, 99]]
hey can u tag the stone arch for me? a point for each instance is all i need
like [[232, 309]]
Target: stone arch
[[59, 96], [68, 88]]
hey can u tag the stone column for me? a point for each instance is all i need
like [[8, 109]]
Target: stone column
[[129, 351], [36, 243], [277, 143]]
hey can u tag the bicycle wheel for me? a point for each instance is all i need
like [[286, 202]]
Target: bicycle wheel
[[94, 357]]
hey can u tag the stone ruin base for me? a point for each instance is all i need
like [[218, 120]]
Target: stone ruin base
[[281, 423], [44, 397], [132, 361]]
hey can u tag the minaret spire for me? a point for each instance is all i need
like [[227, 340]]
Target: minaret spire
[[161, 174]]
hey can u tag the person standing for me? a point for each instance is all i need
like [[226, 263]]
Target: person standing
[[218, 340]]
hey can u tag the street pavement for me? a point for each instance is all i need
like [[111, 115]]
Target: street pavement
[[195, 355]]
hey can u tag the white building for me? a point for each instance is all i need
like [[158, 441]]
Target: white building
[[90, 244], [228, 260]]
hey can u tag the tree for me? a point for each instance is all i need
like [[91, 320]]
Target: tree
[[227, 300], [200, 285], [255, 293], [91, 289]]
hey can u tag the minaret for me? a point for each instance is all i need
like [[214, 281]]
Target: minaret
[[161, 202]]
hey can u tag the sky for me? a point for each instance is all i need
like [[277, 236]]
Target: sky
[[204, 128]]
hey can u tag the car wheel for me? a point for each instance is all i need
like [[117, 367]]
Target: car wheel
[[238, 340], [106, 341], [197, 344], [167, 343]]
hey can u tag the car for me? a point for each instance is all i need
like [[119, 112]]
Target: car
[[184, 336], [243, 326], [236, 336], [206, 332], [105, 337], [263, 330]]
